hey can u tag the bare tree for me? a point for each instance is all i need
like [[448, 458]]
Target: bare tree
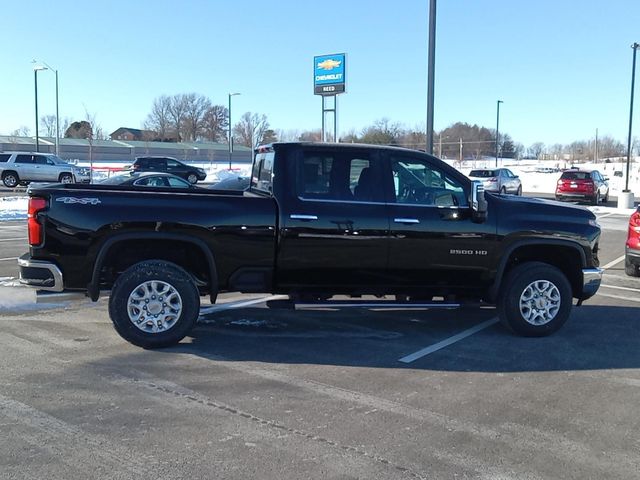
[[23, 131], [48, 125], [215, 123], [178, 113], [310, 136], [536, 149], [159, 120], [382, 132], [250, 129], [96, 132], [196, 106]]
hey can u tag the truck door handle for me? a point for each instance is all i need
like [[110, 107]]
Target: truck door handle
[[406, 220], [297, 216]]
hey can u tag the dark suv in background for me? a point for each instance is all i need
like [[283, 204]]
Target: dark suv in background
[[169, 165]]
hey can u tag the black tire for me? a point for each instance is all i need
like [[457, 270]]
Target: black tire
[[605, 200], [503, 191], [596, 199], [65, 178], [131, 281], [10, 179], [519, 191], [192, 178], [631, 269], [515, 285]]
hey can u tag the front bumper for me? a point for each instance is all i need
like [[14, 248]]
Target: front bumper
[[591, 279], [40, 274]]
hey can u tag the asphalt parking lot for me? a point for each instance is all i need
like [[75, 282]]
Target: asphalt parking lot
[[269, 393]]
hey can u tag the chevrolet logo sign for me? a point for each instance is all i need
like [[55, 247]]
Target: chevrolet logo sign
[[329, 64]]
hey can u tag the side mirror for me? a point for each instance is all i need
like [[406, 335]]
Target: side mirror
[[478, 202], [516, 176], [606, 179]]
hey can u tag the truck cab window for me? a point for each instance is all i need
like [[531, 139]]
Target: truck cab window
[[417, 182], [344, 177]]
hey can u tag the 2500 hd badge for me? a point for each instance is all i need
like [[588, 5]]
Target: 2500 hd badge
[[455, 251]]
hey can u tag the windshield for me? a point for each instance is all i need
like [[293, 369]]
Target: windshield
[[57, 160], [117, 180]]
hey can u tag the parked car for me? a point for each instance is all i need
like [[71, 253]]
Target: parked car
[[409, 225], [232, 183], [500, 180], [586, 185], [24, 167], [149, 179], [632, 247], [169, 165]]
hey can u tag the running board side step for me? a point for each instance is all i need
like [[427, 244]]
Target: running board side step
[[382, 305]]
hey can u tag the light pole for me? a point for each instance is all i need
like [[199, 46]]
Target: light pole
[[431, 74], [230, 138], [36, 69], [635, 47], [48, 67], [497, 128]]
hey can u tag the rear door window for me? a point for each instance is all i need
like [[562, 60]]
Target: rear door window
[[4, 157], [339, 176], [28, 159]]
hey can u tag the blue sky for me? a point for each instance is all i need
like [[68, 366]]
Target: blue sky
[[562, 68]]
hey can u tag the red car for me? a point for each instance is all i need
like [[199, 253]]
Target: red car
[[586, 185], [632, 248]]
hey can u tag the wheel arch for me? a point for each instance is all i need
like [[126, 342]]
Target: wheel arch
[[112, 243], [567, 256]]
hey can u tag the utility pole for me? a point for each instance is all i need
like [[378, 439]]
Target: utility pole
[[595, 160], [497, 128], [460, 150], [431, 74]]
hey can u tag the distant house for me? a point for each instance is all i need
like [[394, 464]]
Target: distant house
[[133, 134]]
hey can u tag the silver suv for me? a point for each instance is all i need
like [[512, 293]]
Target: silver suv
[[24, 167], [500, 180]]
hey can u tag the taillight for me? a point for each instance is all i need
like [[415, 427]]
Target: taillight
[[36, 204], [634, 222]]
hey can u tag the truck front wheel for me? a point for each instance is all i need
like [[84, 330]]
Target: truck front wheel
[[536, 299], [154, 304]]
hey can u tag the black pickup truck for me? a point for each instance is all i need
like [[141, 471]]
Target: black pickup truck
[[318, 220]]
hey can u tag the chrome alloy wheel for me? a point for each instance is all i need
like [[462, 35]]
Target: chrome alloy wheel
[[540, 302], [154, 306]]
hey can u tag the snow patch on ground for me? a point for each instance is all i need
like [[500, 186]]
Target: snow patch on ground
[[14, 299], [13, 208]]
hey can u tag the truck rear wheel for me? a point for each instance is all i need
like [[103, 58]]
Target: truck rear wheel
[[536, 299], [154, 304]]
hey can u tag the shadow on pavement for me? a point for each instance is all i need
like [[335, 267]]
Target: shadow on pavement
[[595, 337]]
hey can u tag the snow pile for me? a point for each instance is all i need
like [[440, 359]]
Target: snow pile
[[13, 208]]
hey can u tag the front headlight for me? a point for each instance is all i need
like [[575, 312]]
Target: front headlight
[[594, 222]]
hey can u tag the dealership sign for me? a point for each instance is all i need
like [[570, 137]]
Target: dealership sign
[[329, 74]]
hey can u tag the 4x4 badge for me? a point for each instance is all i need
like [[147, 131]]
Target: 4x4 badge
[[81, 201]]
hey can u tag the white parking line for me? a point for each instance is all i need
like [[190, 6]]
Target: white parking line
[[232, 305], [451, 340], [13, 239], [619, 297], [629, 289], [606, 215], [613, 262], [7, 259]]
